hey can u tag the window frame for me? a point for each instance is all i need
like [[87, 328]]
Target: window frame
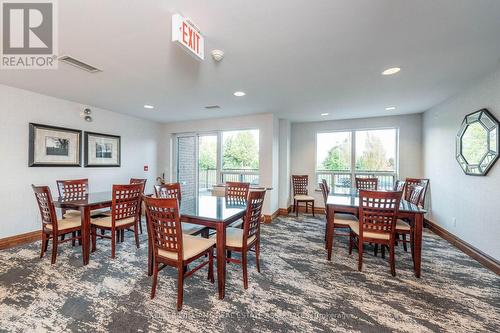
[[352, 172]]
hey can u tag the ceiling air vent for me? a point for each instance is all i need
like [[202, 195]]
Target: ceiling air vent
[[212, 107], [80, 64]]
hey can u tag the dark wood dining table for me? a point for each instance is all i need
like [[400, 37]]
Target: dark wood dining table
[[85, 204], [215, 213], [349, 203]]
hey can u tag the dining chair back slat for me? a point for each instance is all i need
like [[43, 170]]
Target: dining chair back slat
[[424, 182], [46, 206], [169, 191], [414, 194], [72, 187], [370, 184], [126, 201], [237, 193], [251, 222], [378, 211], [164, 225]]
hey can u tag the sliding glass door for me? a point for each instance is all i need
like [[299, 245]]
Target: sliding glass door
[[207, 159]]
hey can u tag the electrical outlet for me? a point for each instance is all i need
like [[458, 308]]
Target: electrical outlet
[[454, 221]]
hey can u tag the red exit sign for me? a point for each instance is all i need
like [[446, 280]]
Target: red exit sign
[[188, 36]]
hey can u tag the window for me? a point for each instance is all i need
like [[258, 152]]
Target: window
[[240, 156], [374, 151]]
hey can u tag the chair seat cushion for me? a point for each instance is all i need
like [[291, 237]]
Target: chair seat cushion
[[72, 213], [303, 197], [106, 221], [190, 228], [402, 225], [345, 219], [66, 223], [234, 237], [375, 235], [191, 247]]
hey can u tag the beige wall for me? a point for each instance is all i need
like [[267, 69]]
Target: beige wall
[[20, 107], [303, 141], [466, 206]]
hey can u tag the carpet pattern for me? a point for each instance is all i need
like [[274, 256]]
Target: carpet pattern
[[298, 290]]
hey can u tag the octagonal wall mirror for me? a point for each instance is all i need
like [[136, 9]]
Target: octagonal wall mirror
[[477, 143]]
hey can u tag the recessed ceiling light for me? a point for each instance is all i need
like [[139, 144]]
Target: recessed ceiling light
[[391, 71], [325, 114], [390, 108], [239, 93], [147, 106]]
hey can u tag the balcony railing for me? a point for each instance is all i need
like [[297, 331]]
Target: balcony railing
[[241, 175], [208, 177], [341, 181]]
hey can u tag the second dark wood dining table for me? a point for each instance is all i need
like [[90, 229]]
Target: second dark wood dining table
[[349, 203]]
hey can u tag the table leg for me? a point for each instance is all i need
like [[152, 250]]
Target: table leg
[[85, 213], [221, 259], [150, 250], [419, 220], [329, 231]]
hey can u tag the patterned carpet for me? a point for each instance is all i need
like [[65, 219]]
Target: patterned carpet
[[298, 290]]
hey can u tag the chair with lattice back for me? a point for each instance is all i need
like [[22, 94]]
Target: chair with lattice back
[[370, 184], [243, 240], [236, 194], [300, 193], [174, 191], [412, 194], [52, 228], [72, 188], [125, 207], [378, 212], [171, 247], [424, 182], [341, 221]]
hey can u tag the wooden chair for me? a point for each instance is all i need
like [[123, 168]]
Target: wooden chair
[[173, 248], [72, 188], [173, 190], [143, 182], [424, 182], [413, 194], [52, 228], [237, 193], [377, 223], [341, 221], [399, 186], [243, 240], [124, 215], [370, 184], [300, 193]]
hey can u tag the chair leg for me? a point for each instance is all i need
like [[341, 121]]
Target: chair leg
[[350, 243], [122, 235], [211, 265], [54, 249], [73, 235], [313, 208], [180, 286], [140, 221], [136, 234], [360, 255], [229, 254], [93, 233], [155, 280], [382, 251], [405, 247], [307, 207], [80, 239], [296, 205], [44, 244], [375, 250], [257, 255], [113, 242], [245, 269], [392, 259]]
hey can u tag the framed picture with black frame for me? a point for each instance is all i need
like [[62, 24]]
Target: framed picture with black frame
[[51, 146], [102, 150]]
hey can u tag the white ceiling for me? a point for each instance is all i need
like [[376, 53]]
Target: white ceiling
[[295, 58]]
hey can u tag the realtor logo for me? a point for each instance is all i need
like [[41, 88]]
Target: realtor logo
[[29, 39]]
